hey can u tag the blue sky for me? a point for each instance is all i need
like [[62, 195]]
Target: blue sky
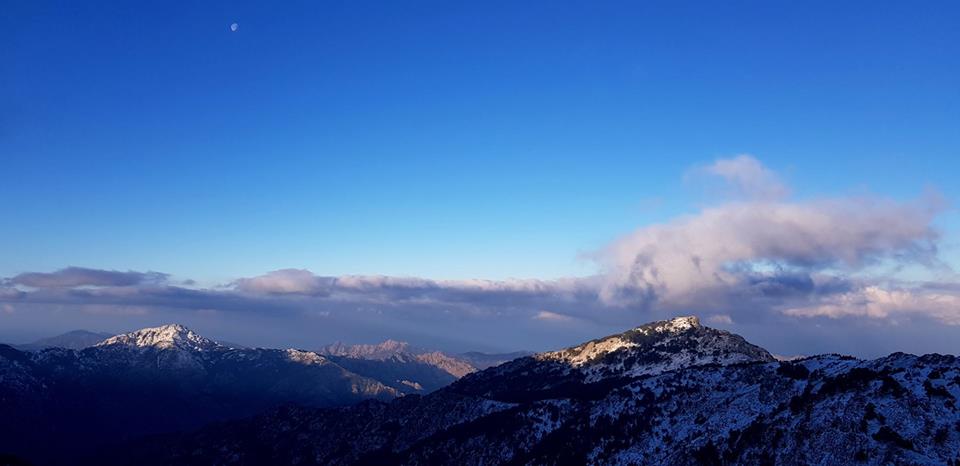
[[446, 141]]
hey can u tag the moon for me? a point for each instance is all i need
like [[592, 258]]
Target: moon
[[234, 27]]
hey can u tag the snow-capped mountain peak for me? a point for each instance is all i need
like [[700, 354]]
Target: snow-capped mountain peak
[[172, 336], [675, 325], [592, 350], [657, 347]]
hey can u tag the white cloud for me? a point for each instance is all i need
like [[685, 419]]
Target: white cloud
[[886, 303], [549, 316], [752, 248]]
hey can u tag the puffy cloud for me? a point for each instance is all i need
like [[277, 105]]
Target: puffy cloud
[[877, 302], [71, 277], [720, 245], [767, 255]]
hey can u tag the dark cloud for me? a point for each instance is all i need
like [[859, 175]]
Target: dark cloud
[[72, 277]]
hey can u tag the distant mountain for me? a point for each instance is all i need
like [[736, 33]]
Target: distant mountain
[[171, 337], [76, 339], [384, 350], [161, 379], [391, 349], [399, 365], [671, 392]]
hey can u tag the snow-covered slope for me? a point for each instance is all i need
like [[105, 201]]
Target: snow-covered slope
[[645, 350], [173, 336], [657, 347]]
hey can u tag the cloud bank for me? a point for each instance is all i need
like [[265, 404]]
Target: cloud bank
[[72, 277], [759, 256]]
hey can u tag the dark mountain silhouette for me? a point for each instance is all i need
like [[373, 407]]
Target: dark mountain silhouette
[[155, 380], [487, 360]]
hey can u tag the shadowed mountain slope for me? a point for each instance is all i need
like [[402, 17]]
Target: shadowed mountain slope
[[156, 380]]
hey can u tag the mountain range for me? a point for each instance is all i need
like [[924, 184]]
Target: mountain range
[[670, 392], [410, 369], [156, 380], [90, 389]]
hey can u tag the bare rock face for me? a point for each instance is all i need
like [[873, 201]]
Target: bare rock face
[[400, 365], [449, 364], [385, 350]]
